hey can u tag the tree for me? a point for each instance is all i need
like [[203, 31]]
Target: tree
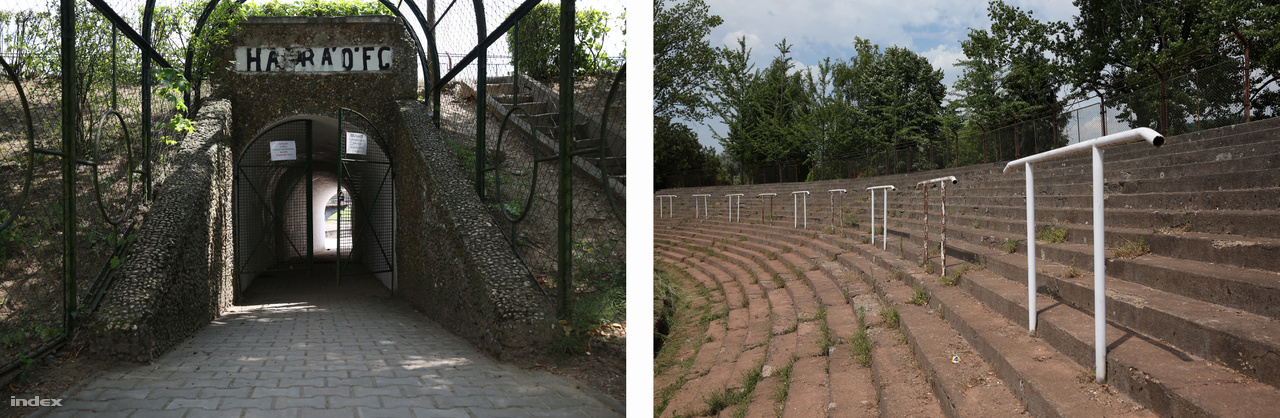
[[683, 58], [766, 111], [676, 149]]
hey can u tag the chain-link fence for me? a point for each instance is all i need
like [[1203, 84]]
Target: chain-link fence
[[508, 123]]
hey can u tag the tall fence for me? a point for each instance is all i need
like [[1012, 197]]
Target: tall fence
[[91, 104], [543, 138], [1204, 89]]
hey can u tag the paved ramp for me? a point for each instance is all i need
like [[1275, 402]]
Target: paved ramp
[[305, 347]]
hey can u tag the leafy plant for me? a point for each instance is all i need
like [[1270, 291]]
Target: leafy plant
[[1052, 234], [1010, 245], [919, 296], [890, 316], [862, 343], [535, 42], [1131, 249]]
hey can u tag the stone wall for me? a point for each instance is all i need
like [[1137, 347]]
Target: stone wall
[[454, 264], [259, 99], [177, 276]]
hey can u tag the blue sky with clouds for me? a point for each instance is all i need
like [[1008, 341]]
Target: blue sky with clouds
[[825, 28]]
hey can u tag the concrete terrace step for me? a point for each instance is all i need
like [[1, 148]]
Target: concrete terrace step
[[1256, 291], [850, 386], [722, 361], [1171, 388]]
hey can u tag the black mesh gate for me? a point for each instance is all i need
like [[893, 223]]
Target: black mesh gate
[[272, 194], [366, 173]]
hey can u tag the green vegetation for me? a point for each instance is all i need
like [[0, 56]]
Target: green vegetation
[[1131, 249], [729, 397], [1052, 234], [1010, 245], [862, 343], [890, 316], [919, 296], [538, 50], [954, 278]]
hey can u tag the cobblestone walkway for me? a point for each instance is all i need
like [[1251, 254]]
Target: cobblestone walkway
[[352, 351]]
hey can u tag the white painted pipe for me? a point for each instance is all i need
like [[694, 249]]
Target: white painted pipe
[[1099, 273], [733, 207], [794, 209], [884, 215], [672, 206], [1031, 250], [705, 206], [1099, 230]]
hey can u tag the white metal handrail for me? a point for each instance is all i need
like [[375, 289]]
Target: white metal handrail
[[884, 214], [733, 207], [671, 204], [942, 181], [770, 196], [705, 210], [1099, 231], [795, 220], [834, 219]]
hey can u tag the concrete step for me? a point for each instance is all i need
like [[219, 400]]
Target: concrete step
[[1250, 290], [1158, 385]]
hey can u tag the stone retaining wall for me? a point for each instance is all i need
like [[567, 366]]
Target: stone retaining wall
[[454, 264], [178, 274]]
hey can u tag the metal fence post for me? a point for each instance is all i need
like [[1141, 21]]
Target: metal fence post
[[67, 21], [565, 241]]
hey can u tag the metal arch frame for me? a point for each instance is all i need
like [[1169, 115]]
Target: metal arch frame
[[434, 62], [528, 203], [604, 145], [378, 140], [31, 144], [97, 189], [261, 197], [481, 49]]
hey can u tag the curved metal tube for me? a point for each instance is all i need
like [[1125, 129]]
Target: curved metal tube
[[31, 144], [97, 186], [604, 146]]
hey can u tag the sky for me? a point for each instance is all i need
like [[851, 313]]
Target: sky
[[817, 29]]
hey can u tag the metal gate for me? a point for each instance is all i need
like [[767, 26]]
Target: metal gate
[[366, 172], [273, 188]]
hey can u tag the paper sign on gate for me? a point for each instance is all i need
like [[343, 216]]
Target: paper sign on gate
[[284, 150], [357, 143]]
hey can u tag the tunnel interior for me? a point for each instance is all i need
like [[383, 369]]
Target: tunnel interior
[[313, 197]]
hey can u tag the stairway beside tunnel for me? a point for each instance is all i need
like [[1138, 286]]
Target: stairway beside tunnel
[[285, 222]]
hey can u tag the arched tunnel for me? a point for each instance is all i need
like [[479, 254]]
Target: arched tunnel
[[306, 192]]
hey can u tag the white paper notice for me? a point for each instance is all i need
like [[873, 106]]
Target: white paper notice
[[357, 143], [284, 150]]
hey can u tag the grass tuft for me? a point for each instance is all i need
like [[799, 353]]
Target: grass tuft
[[861, 342], [919, 296], [1010, 246], [890, 316], [1131, 249], [1052, 234]]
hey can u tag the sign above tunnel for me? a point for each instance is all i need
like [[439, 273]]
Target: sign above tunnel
[[332, 59]]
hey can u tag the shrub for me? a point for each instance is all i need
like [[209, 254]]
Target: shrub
[[537, 51]]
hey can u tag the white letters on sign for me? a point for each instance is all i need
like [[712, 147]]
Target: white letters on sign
[[357, 143], [252, 59], [284, 151]]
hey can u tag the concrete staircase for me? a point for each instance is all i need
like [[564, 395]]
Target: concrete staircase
[[540, 122], [1193, 325]]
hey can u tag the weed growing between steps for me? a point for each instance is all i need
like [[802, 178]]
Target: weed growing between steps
[[919, 296], [1052, 234], [685, 322], [824, 332], [890, 316], [954, 278], [1131, 249], [740, 397], [861, 342], [1010, 245]]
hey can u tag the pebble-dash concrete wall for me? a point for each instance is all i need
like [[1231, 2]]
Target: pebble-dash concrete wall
[[454, 264], [178, 274]]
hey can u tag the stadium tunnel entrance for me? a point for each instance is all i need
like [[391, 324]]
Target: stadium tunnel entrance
[[314, 194]]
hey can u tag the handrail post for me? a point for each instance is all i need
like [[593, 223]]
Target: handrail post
[[833, 204], [706, 213], [733, 207], [795, 220], [1031, 250], [924, 185], [770, 196], [1099, 273], [884, 214], [671, 207], [1099, 231]]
